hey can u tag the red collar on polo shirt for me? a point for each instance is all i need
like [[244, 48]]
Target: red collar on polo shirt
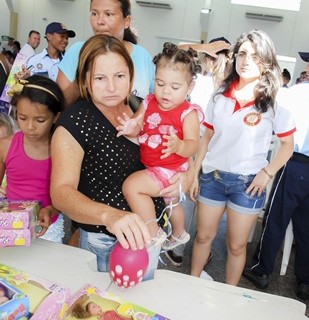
[[231, 94]]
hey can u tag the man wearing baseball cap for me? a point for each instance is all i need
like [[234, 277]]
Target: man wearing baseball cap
[[289, 199], [304, 56], [46, 62]]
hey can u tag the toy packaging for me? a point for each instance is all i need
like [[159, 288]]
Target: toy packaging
[[31, 297], [13, 303], [91, 303], [10, 238], [47, 300], [17, 222], [5, 99]]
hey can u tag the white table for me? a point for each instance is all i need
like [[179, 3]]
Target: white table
[[180, 297], [171, 294], [65, 265]]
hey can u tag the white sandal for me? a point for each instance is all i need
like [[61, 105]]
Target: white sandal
[[182, 239]]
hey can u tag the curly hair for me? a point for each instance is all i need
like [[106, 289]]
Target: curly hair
[[171, 54]]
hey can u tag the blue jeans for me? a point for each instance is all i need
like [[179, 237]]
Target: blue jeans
[[102, 244], [220, 189]]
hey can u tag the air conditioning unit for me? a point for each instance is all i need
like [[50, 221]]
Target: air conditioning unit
[[154, 4], [262, 16]]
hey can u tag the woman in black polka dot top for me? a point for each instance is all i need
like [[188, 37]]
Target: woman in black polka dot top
[[89, 161]]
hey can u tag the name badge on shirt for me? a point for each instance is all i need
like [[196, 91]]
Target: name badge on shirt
[[252, 118], [40, 71]]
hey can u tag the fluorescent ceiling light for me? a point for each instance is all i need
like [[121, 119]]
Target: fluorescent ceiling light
[[205, 11], [292, 5], [286, 58]]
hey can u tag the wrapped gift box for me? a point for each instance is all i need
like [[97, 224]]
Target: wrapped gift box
[[17, 304]]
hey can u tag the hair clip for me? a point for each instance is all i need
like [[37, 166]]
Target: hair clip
[[17, 87]]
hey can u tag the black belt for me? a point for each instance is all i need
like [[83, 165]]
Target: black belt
[[300, 157], [93, 228]]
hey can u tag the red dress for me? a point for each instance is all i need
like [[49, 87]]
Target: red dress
[[112, 315]]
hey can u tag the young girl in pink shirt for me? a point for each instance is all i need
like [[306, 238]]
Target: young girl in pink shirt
[[25, 156]]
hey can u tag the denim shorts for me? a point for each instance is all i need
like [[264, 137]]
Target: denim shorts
[[224, 189], [102, 244]]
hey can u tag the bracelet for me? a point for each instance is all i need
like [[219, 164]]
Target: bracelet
[[268, 173]]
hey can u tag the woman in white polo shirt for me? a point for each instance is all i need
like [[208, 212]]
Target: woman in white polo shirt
[[240, 120]]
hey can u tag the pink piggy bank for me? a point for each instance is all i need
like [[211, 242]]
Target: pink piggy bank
[[128, 267]]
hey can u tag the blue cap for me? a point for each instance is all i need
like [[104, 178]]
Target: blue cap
[[219, 39], [304, 56], [57, 27]]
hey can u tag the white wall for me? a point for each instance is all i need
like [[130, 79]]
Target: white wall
[[37, 14], [184, 22], [155, 26], [4, 19]]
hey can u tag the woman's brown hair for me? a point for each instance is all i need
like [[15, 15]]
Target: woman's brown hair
[[95, 46]]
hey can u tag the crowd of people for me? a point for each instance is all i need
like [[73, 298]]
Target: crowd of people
[[44, 63], [117, 165]]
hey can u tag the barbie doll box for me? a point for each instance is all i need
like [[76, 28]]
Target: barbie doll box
[[91, 303], [47, 300], [13, 303], [17, 222]]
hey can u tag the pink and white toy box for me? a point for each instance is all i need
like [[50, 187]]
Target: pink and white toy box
[[11, 238], [17, 222]]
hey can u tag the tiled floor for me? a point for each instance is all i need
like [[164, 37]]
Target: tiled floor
[[279, 285]]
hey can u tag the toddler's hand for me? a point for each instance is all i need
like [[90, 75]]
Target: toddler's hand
[[172, 144], [127, 126]]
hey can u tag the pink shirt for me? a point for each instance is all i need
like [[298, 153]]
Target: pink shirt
[[27, 179]]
